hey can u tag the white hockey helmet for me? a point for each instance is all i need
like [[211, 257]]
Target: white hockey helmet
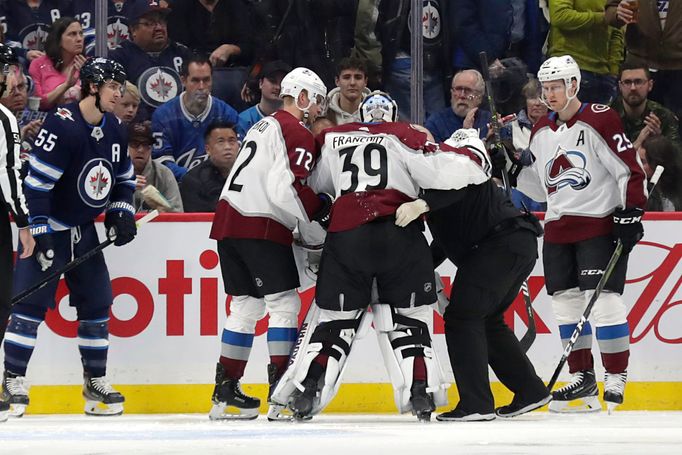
[[378, 106], [562, 68], [300, 79]]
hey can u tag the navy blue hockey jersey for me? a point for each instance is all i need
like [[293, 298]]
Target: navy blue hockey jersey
[[117, 21], [26, 27], [180, 136], [77, 169]]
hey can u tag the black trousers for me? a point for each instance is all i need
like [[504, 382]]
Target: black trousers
[[6, 268], [486, 284]]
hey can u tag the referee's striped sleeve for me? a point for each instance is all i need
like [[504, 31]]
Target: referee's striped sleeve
[[10, 183]]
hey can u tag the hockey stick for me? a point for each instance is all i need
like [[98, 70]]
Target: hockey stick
[[605, 277], [529, 337], [76, 262]]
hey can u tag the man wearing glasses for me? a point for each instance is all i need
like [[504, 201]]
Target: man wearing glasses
[[466, 95], [643, 118]]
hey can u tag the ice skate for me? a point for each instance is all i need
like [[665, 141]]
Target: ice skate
[[579, 395], [422, 401], [614, 389], [229, 402], [100, 398], [15, 393], [276, 411], [4, 411], [302, 401]]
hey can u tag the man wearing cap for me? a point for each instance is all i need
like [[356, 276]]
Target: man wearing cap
[[151, 60], [155, 185], [268, 83]]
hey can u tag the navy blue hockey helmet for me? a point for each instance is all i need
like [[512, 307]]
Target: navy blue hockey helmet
[[98, 70], [7, 58]]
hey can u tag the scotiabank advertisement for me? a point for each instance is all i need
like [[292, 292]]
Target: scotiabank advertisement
[[170, 306]]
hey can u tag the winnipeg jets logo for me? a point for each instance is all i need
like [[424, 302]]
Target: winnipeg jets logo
[[95, 182], [158, 85], [117, 32], [567, 168], [431, 22], [64, 114], [35, 39]]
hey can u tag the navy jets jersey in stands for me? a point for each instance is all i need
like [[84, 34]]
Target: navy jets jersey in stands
[[373, 168], [76, 169], [26, 27], [179, 135], [117, 21], [584, 169]]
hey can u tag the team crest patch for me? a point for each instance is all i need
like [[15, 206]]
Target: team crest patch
[[567, 168], [431, 21], [117, 32], [95, 182], [64, 114], [35, 38], [158, 85]]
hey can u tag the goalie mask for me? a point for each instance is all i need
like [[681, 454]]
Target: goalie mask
[[378, 106], [300, 79]]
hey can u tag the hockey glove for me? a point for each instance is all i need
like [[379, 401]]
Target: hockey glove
[[410, 211], [42, 233], [627, 227], [503, 158], [323, 216], [120, 226]]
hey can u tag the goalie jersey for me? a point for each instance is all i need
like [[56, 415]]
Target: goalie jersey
[[76, 169], [584, 169], [372, 168]]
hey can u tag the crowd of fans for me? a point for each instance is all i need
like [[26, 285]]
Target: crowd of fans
[[201, 72]]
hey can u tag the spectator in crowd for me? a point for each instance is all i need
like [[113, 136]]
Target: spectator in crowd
[[56, 74], [150, 174], [321, 123], [118, 12], [389, 31], [667, 195], [516, 29], [15, 98], [466, 94], [654, 38], [578, 29], [179, 125], [27, 23], [151, 60], [270, 76], [642, 117], [519, 131], [127, 106], [343, 102], [202, 185]]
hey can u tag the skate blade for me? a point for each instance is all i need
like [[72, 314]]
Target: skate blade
[[17, 410], [423, 416], [98, 409], [223, 412], [4, 415], [610, 407], [581, 405], [279, 413]]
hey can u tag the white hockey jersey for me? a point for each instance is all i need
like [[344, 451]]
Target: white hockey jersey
[[584, 169], [265, 193], [371, 169]]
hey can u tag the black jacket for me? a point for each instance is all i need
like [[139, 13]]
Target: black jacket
[[200, 188]]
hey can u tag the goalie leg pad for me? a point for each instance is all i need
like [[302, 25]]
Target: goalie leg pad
[[403, 334]]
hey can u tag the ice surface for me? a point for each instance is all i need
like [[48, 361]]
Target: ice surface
[[536, 433]]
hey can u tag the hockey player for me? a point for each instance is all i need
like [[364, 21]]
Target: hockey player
[[494, 246], [372, 168], [264, 197], [78, 169], [11, 194], [589, 174]]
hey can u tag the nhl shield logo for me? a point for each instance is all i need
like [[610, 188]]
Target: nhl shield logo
[[95, 182], [158, 85]]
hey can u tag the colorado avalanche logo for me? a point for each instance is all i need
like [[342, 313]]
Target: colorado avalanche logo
[[117, 32], [567, 168], [95, 183], [158, 85], [431, 21], [34, 36]]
